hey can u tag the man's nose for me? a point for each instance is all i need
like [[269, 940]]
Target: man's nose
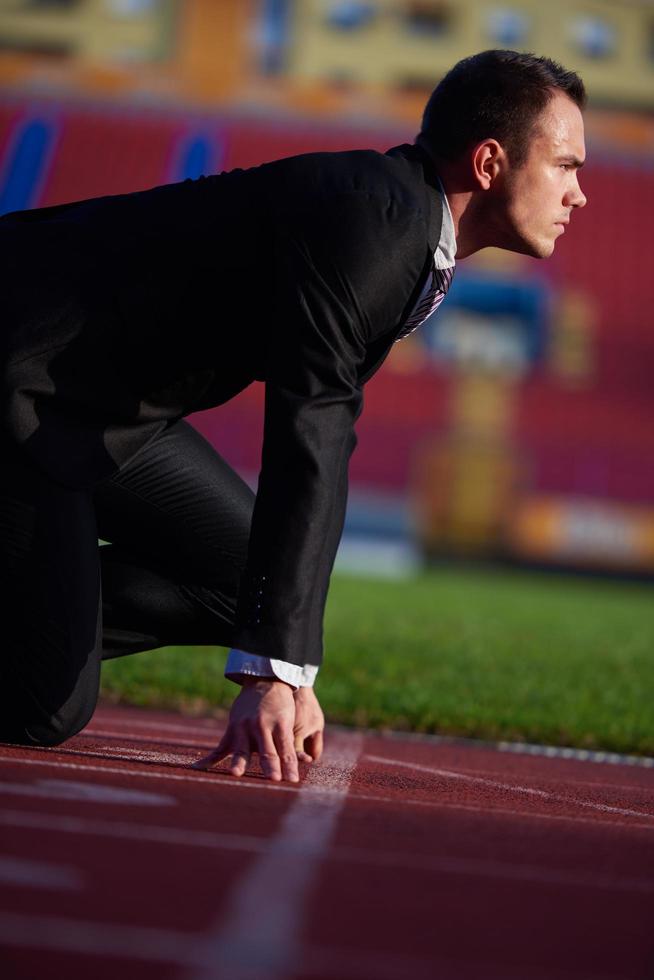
[[577, 198]]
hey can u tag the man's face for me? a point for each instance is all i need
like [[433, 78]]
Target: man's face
[[537, 199]]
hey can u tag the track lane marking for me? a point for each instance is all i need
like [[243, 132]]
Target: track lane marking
[[205, 743], [152, 945], [123, 754], [635, 786], [185, 777], [107, 715], [167, 726], [27, 873], [396, 860], [101, 939], [123, 830], [68, 789], [257, 937], [222, 781], [524, 790]]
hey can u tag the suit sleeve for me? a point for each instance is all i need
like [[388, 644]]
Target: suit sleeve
[[326, 286]]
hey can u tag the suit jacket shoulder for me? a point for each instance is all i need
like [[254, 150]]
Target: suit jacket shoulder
[[369, 221]]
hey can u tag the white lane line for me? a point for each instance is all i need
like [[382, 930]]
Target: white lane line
[[122, 830], [578, 755], [524, 790], [519, 748], [190, 776], [68, 789], [106, 940], [101, 939], [258, 935], [166, 726], [39, 874], [559, 777], [491, 811], [400, 860], [124, 754], [205, 743], [221, 781], [106, 716]]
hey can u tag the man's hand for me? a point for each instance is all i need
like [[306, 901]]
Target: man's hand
[[263, 720], [309, 725]]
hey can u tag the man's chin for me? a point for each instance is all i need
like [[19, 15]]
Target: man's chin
[[537, 249], [534, 248], [545, 251]]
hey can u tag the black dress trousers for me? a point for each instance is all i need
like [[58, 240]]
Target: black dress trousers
[[177, 519]]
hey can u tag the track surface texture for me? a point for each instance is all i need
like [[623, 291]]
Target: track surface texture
[[394, 859]]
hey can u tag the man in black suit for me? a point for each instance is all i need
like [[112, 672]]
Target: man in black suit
[[124, 314]]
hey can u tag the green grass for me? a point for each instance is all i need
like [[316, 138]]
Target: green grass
[[487, 654]]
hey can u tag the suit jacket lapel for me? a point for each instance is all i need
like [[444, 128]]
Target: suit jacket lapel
[[426, 183], [427, 178]]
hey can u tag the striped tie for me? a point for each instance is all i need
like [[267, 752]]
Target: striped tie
[[441, 280]]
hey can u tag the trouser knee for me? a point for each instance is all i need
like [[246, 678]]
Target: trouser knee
[[45, 714], [57, 728]]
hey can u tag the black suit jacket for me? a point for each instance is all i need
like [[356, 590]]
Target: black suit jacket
[[125, 313]]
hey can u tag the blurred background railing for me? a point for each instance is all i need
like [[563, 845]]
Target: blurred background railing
[[517, 424]]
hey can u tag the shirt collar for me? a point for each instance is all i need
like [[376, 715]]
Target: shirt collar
[[444, 256]]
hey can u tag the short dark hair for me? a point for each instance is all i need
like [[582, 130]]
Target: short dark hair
[[494, 94]]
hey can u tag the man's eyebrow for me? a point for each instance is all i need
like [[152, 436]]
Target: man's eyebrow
[[571, 158]]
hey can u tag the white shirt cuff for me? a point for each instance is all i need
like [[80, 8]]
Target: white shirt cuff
[[239, 662]]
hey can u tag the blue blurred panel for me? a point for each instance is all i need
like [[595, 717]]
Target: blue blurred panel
[[526, 300], [349, 15], [274, 30], [510, 28], [198, 155], [25, 165]]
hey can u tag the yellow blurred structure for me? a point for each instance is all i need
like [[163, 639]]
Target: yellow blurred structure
[[197, 50], [410, 43], [121, 31], [465, 481], [214, 53], [583, 531], [571, 355], [392, 51]]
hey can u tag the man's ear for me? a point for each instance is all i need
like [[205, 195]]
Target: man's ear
[[488, 159]]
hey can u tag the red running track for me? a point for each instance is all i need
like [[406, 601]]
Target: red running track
[[394, 859]]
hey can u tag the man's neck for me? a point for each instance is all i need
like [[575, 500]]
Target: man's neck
[[462, 203], [471, 228]]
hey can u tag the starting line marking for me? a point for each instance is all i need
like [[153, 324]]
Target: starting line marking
[[524, 790], [258, 937]]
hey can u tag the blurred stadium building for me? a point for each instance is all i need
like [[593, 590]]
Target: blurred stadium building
[[406, 43], [514, 425]]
